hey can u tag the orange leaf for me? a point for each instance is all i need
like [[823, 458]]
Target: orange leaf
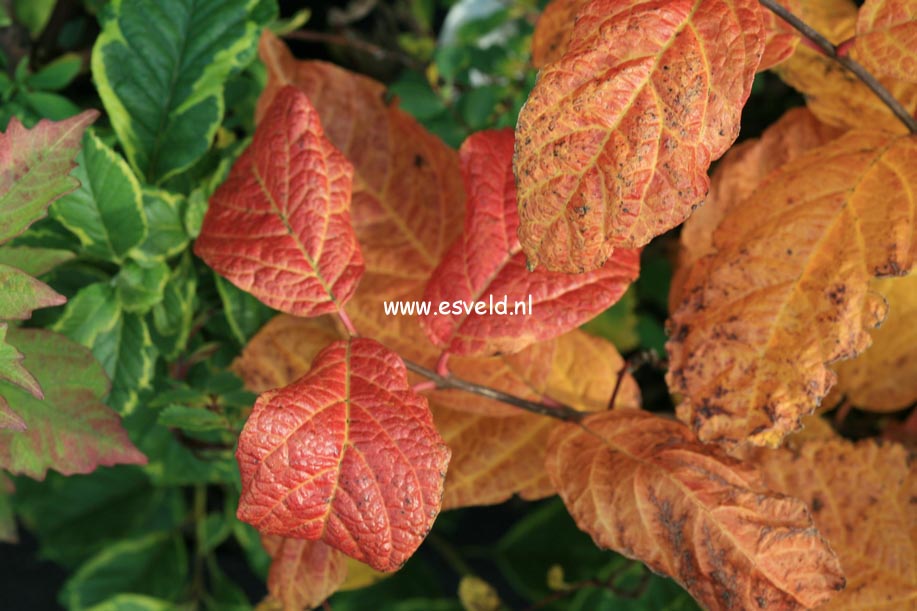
[[886, 38], [645, 487], [486, 264], [787, 290], [303, 573], [782, 39], [407, 189], [884, 378], [346, 454], [737, 176], [834, 94], [553, 30], [613, 144], [862, 500], [279, 227], [283, 350], [497, 450]]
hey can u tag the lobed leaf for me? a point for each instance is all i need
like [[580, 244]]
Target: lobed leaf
[[886, 38], [34, 261], [645, 487], [613, 144], [781, 38], [279, 227], [106, 212], [70, 430], [347, 454], [861, 496], [34, 169], [884, 378], [167, 111], [787, 290], [486, 263], [20, 294], [11, 370], [303, 573]]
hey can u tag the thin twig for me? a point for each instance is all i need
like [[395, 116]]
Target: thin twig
[[561, 412], [831, 51]]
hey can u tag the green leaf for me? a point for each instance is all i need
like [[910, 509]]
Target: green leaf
[[33, 14], [244, 313], [250, 542], [224, 594], [50, 105], [76, 517], [70, 430], [136, 602], [160, 67], [192, 419], [156, 565], [57, 74], [34, 261], [9, 419], [618, 324], [167, 236], [106, 212], [36, 168], [20, 293], [140, 285], [120, 340], [173, 316], [8, 532]]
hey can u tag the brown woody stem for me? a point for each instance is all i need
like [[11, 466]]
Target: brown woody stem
[[829, 49], [560, 411]]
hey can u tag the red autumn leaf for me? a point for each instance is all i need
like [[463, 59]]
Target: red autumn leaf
[[645, 487], [614, 142], [486, 264], [279, 227], [346, 454], [303, 573], [782, 38], [553, 30]]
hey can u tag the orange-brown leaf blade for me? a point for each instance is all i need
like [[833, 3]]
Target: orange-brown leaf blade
[[346, 454], [884, 378], [279, 227], [886, 38], [786, 293], [486, 266], [862, 500], [614, 142], [553, 30], [645, 487], [303, 573]]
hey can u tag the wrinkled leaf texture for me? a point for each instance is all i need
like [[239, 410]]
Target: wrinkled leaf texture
[[408, 200], [487, 262], [886, 38], [347, 454], [279, 227], [861, 496], [645, 487], [786, 292], [303, 573], [613, 144]]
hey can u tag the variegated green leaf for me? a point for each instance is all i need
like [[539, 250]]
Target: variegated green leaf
[[160, 67], [106, 212]]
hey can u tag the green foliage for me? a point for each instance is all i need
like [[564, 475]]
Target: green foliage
[[179, 82]]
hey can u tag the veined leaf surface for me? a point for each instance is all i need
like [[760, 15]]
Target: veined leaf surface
[[886, 38], [348, 455], [279, 227]]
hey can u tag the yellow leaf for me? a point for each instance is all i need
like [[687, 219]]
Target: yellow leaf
[[884, 378], [833, 93], [862, 500], [476, 594], [786, 293]]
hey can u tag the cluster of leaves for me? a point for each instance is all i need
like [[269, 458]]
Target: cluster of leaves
[[310, 191]]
